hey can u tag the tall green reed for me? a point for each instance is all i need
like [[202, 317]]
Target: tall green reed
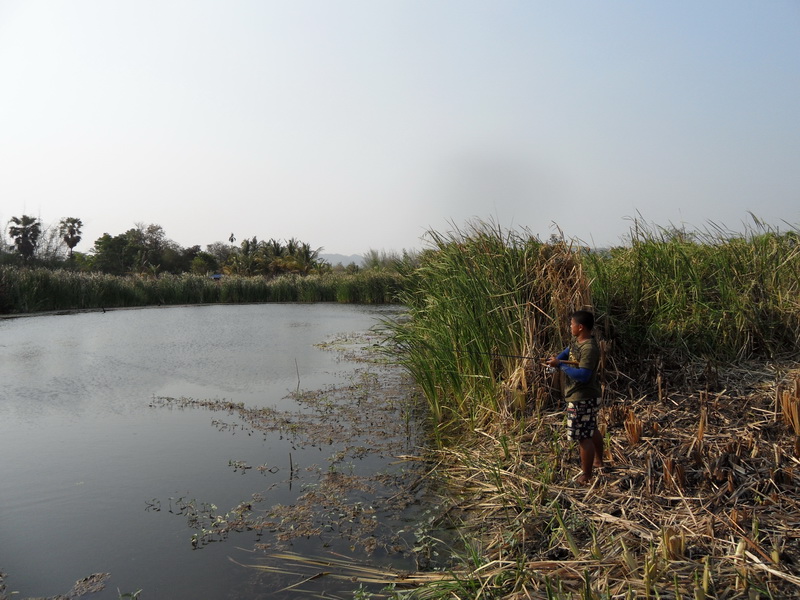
[[482, 293], [708, 294], [478, 298], [24, 290]]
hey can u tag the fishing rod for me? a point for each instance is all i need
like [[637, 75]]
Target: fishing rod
[[572, 363]]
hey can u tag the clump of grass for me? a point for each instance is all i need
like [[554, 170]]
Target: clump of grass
[[790, 408], [713, 293], [633, 428], [484, 306]]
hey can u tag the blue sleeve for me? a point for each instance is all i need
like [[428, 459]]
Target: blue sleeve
[[577, 373]]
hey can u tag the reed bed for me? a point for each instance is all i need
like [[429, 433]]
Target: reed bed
[[701, 498], [35, 290], [478, 302], [709, 294], [482, 298]]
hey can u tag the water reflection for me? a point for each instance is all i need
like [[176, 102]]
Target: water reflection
[[86, 453]]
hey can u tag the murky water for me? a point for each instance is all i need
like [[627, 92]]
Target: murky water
[[95, 475]]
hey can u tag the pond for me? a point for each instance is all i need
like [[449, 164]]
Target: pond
[[170, 447]]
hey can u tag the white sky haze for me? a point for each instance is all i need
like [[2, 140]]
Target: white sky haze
[[354, 125]]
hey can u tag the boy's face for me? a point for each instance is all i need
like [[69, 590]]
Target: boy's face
[[575, 328]]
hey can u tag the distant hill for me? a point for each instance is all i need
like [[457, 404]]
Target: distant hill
[[335, 259]]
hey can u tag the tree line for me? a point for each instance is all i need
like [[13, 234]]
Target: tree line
[[146, 249]]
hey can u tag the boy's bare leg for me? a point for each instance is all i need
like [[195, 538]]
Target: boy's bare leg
[[597, 441], [587, 459]]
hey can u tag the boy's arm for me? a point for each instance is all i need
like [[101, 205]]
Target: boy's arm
[[583, 372], [577, 373], [553, 361]]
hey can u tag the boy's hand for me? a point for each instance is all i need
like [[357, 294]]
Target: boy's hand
[[555, 363]]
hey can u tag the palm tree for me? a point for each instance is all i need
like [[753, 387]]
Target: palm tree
[[306, 257], [70, 230], [275, 249], [272, 257], [25, 232], [292, 246]]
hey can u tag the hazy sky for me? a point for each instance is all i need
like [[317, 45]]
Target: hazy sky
[[357, 125]]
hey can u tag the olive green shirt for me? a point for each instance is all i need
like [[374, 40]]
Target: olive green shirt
[[587, 355]]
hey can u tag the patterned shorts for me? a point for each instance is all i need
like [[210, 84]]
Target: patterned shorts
[[582, 418]]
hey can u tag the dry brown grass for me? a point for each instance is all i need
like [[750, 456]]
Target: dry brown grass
[[703, 504]]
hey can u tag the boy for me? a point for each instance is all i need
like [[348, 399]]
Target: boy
[[582, 392]]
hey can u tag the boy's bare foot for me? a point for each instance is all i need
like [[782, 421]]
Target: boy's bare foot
[[583, 479]]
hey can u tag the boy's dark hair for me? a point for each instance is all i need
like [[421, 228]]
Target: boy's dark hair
[[585, 318]]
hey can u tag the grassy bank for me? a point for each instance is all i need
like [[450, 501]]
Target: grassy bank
[[35, 290], [698, 336]]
